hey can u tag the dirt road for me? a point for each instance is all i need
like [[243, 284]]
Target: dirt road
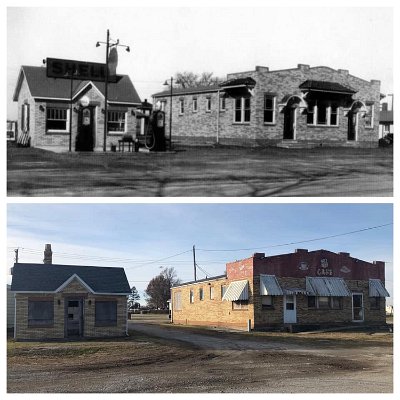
[[202, 172], [163, 358]]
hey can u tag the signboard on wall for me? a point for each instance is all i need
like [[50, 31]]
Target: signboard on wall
[[84, 70]]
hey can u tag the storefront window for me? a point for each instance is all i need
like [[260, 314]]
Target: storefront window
[[323, 302], [40, 312], [312, 302], [337, 303], [116, 121], [240, 305]]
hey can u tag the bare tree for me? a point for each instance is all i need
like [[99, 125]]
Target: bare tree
[[158, 289], [190, 79]]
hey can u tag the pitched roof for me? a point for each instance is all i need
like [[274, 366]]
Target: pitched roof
[[189, 90], [41, 86], [325, 86], [49, 277]]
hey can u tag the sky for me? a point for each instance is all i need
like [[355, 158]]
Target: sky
[[143, 237], [165, 40]]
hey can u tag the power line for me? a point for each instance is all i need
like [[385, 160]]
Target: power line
[[302, 241]]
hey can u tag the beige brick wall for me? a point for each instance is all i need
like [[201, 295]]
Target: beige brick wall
[[56, 331], [210, 312]]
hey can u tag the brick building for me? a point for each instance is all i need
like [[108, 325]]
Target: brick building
[[69, 301], [300, 289], [44, 111], [303, 106]]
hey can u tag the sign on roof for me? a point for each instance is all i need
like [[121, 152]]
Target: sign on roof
[[83, 70]]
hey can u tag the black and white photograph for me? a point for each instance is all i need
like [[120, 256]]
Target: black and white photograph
[[199, 198], [201, 101]]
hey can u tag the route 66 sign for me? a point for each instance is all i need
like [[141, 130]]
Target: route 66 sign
[[324, 270], [324, 263]]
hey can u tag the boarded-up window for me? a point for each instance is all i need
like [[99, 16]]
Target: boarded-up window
[[223, 290], [201, 294], [374, 303], [240, 305], [267, 301], [40, 312], [177, 301], [337, 303], [106, 313], [323, 302], [312, 301], [191, 296]]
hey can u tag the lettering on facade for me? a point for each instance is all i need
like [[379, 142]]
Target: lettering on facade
[[324, 270]]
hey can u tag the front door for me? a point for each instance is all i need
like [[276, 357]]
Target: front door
[[352, 126], [289, 309], [85, 136], [289, 123], [358, 307], [73, 318]]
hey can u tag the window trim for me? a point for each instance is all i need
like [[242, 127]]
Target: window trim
[[211, 293], [66, 130], [241, 305], [201, 294], [191, 296], [194, 102], [222, 101], [181, 106], [178, 301], [327, 117], [371, 125], [242, 111], [208, 104], [108, 122], [267, 306]]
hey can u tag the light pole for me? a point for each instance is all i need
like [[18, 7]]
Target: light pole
[[114, 43], [170, 112]]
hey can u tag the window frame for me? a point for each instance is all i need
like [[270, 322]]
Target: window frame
[[375, 303], [273, 97], [208, 104], [223, 290], [105, 321], [181, 106], [371, 124], [242, 110], [57, 109], [201, 294], [191, 296], [222, 104], [178, 301], [267, 306], [40, 322], [195, 104], [328, 114], [211, 293], [116, 122]]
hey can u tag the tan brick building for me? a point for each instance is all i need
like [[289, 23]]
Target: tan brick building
[[300, 289], [45, 117], [303, 106], [69, 301]]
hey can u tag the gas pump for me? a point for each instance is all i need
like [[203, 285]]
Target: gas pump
[[155, 133]]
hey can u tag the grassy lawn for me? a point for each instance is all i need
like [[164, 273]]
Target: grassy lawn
[[203, 171]]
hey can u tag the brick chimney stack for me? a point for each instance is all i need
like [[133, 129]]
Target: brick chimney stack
[[48, 254]]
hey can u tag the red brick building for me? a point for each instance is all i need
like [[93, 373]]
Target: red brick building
[[303, 106], [316, 288]]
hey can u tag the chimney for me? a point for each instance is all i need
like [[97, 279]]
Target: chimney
[[48, 254], [345, 254], [259, 255], [303, 67], [301, 251], [344, 72]]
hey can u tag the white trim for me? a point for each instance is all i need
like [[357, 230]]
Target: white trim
[[70, 279], [52, 98], [123, 102], [84, 87], [58, 130], [38, 292], [273, 96], [181, 106], [242, 111], [194, 101]]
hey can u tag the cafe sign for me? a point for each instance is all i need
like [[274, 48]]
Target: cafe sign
[[84, 70], [324, 269]]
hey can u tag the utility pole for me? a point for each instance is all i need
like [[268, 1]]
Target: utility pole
[[194, 263]]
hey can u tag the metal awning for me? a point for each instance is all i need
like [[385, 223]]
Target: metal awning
[[324, 286], [238, 290], [269, 286], [291, 291], [377, 289], [327, 87]]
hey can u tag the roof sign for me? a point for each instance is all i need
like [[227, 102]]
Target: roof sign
[[59, 68]]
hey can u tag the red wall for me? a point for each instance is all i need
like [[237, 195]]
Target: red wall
[[303, 263]]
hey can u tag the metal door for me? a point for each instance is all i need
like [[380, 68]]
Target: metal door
[[73, 317], [289, 309]]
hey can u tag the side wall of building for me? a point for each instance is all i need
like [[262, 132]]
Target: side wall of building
[[210, 312]]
